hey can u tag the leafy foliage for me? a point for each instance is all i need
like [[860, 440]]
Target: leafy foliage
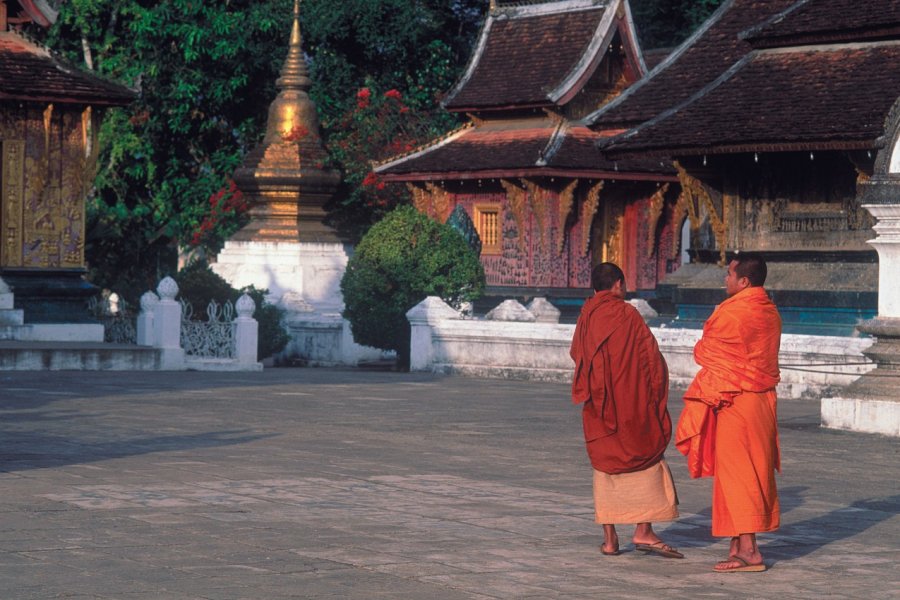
[[206, 72], [201, 68], [400, 261], [198, 285], [665, 23]]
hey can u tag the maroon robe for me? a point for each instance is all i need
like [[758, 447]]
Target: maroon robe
[[622, 379]]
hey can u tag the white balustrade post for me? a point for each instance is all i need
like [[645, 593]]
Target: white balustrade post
[[422, 317], [246, 331], [145, 319], [167, 326]]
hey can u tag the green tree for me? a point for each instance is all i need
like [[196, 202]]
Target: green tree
[[398, 263], [206, 72], [666, 23]]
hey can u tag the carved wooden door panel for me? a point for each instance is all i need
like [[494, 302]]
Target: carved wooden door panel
[[12, 196]]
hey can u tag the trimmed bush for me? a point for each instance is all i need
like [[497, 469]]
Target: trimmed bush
[[400, 261], [198, 285]]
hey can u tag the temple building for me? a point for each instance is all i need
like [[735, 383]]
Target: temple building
[[49, 118], [773, 113], [545, 202]]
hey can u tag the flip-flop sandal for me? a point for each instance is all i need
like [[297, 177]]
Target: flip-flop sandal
[[744, 568], [660, 548], [615, 552]]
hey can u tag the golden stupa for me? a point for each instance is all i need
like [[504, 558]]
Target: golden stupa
[[284, 179]]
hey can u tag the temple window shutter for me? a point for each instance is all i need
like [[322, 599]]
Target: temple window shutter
[[487, 223]]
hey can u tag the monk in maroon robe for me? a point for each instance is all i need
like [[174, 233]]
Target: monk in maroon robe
[[622, 380]]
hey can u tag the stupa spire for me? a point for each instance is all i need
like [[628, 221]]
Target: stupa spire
[[295, 72], [285, 177]]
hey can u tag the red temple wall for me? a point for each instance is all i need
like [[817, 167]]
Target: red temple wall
[[536, 258]]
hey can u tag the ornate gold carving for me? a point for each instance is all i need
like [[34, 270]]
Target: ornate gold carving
[[657, 202], [588, 210], [566, 200], [517, 196], [539, 208], [48, 119], [13, 196], [679, 212], [440, 200], [420, 199], [694, 189], [614, 225]]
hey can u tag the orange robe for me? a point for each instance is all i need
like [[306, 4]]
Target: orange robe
[[622, 379], [728, 427]]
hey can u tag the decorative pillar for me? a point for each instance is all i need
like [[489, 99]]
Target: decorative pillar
[[872, 402], [167, 326], [246, 331], [145, 327]]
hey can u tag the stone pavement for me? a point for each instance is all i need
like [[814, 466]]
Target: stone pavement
[[315, 483]]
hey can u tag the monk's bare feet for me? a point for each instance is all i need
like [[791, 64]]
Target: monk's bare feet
[[610, 545], [646, 540], [736, 563], [744, 555]]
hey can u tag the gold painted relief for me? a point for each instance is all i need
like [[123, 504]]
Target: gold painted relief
[[517, 199], [420, 199], [657, 203], [440, 200], [612, 249], [693, 189], [588, 210], [539, 208], [12, 199], [566, 200], [78, 171]]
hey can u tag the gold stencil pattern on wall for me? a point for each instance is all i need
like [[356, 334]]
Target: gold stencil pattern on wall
[[693, 189], [12, 199], [517, 198], [566, 200], [421, 199], [440, 200], [657, 203], [588, 210], [538, 201]]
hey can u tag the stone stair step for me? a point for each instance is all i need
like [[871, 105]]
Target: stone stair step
[[76, 356]]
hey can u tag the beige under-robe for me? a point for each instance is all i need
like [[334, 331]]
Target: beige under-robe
[[646, 496]]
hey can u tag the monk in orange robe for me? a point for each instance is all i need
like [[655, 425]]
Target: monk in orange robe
[[622, 380], [728, 426]]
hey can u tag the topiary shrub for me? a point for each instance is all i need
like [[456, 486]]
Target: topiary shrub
[[400, 261], [198, 285]]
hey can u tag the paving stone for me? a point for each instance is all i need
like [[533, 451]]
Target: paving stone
[[327, 484]]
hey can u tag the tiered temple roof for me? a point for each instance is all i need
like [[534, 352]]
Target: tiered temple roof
[[30, 72], [699, 61], [835, 94], [531, 61], [536, 55]]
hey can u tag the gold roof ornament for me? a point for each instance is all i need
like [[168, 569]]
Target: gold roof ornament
[[284, 178]]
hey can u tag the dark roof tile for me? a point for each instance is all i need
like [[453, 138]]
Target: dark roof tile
[[30, 72], [810, 22], [699, 61], [829, 97], [524, 58], [495, 147]]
